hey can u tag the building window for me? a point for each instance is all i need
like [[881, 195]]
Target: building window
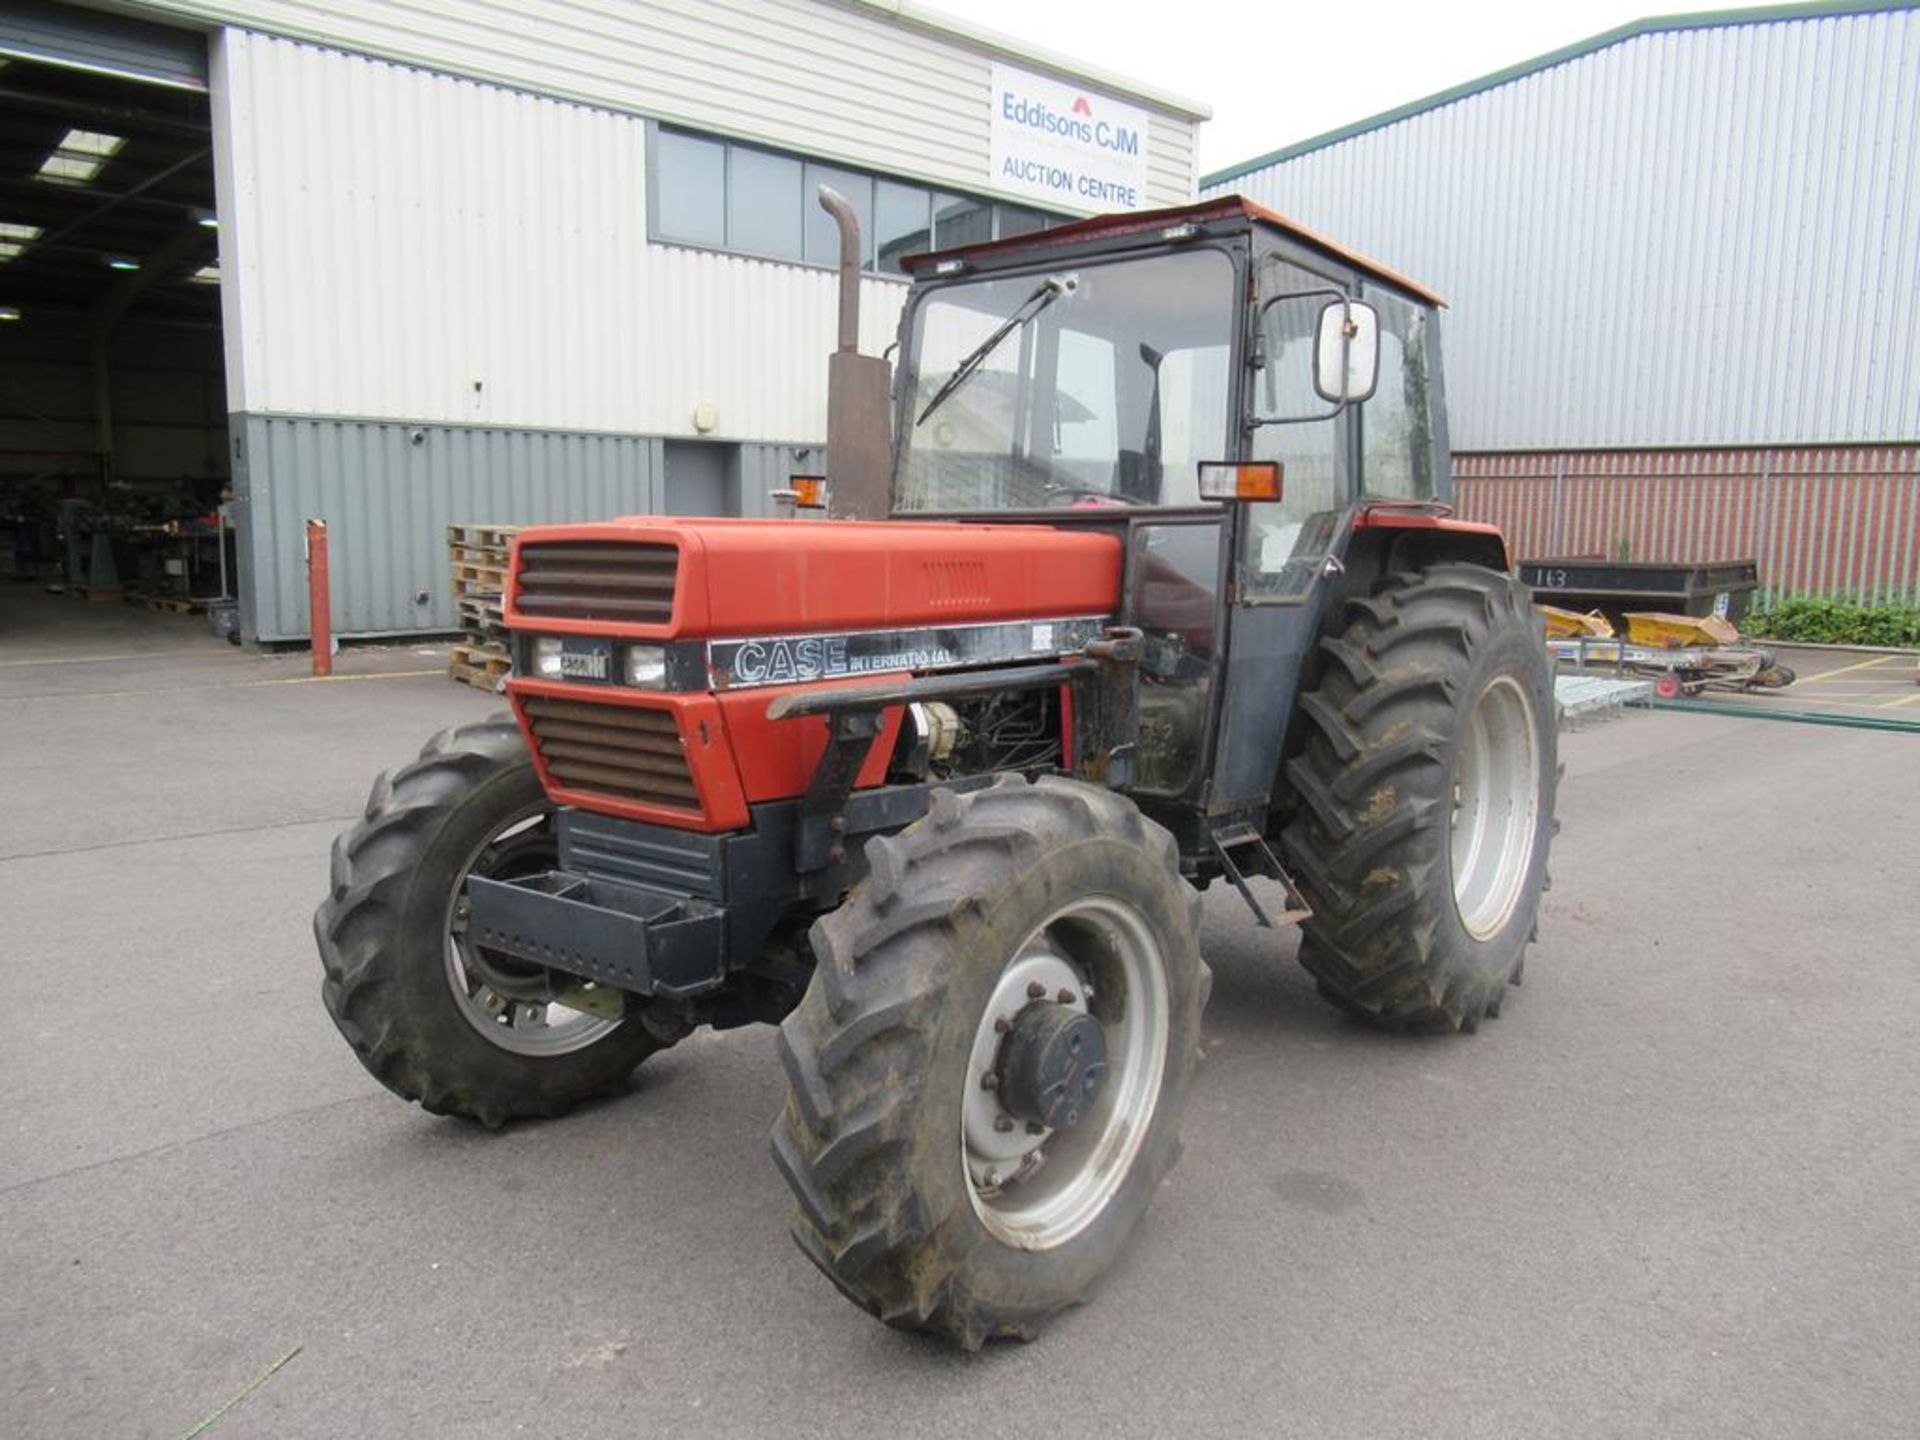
[[690, 195], [726, 196], [902, 223], [763, 204], [959, 220]]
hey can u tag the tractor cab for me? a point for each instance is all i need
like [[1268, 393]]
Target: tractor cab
[[1236, 397]]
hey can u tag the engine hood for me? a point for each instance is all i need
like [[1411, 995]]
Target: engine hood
[[797, 577]]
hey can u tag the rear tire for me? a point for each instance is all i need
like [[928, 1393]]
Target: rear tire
[[926, 1206], [462, 1033], [1424, 800]]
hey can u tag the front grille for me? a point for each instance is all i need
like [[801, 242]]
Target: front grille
[[597, 580], [620, 751]]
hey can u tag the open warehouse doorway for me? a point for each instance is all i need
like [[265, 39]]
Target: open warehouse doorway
[[113, 413]]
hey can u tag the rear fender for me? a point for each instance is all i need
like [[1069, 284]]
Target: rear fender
[[1387, 540]]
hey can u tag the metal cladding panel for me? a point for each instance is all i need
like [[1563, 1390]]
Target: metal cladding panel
[[67, 35], [873, 84], [1843, 523], [388, 493], [1691, 237], [412, 246]]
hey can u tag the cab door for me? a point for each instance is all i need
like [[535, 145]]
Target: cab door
[[1282, 552]]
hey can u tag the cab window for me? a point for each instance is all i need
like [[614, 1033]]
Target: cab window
[[1284, 543], [1396, 425]]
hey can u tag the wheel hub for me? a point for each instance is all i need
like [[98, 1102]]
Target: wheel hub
[[1064, 1074], [1051, 1065]]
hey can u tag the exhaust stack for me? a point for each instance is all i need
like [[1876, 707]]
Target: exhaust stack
[[859, 440]]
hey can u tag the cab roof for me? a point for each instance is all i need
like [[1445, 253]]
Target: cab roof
[[1225, 210]]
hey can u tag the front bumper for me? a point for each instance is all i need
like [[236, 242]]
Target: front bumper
[[658, 910], [621, 936], [649, 909]]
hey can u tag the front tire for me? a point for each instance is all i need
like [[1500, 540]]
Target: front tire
[[933, 1184], [1424, 800], [432, 1017]]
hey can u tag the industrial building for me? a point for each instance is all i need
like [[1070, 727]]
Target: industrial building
[[1685, 301], [405, 265]]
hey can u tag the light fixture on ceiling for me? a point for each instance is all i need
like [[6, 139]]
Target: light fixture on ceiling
[[15, 238], [206, 219], [79, 156], [206, 275], [122, 262], [9, 312]]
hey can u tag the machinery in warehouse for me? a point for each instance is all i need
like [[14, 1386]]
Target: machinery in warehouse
[[1138, 574]]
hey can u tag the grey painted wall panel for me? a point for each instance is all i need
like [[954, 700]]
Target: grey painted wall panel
[[1697, 237], [388, 499]]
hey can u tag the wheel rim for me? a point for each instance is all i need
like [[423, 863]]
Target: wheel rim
[[508, 1003], [1496, 808], [1035, 1188]]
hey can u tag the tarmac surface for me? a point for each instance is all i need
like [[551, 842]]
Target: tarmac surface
[[1854, 684], [1672, 1191]]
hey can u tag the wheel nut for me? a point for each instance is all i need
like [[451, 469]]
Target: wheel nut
[[1034, 1127], [992, 1178], [1065, 997], [1035, 989], [1001, 1025], [990, 1081], [1003, 1123]]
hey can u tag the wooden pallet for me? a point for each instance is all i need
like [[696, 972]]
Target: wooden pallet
[[481, 610], [482, 666], [478, 557], [495, 538], [496, 555], [480, 577], [167, 604]]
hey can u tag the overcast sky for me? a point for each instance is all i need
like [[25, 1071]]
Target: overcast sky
[[1279, 72]]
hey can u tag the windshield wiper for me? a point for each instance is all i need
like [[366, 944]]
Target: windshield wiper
[[1051, 289]]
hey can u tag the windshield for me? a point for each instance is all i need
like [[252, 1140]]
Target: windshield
[[1101, 385]]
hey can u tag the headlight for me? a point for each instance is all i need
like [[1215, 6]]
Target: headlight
[[545, 655], [646, 667]]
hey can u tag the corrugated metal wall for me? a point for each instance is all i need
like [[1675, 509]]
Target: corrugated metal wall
[[410, 246], [388, 492], [1694, 237], [1837, 522], [851, 81]]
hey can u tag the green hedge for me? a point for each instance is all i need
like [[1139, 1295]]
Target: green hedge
[[1834, 622]]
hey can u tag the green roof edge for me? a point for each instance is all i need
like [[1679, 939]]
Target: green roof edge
[[1653, 25]]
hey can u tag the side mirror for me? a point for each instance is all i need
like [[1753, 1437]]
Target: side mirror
[[1346, 352], [1316, 351]]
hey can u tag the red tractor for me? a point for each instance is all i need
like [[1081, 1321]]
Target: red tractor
[[1139, 574]]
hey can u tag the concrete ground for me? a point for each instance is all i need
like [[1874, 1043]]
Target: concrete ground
[[1671, 1192]]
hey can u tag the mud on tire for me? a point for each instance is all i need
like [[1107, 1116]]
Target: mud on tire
[[383, 934], [1383, 786], [877, 1055]]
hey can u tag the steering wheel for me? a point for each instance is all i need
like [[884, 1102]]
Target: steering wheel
[[1058, 493]]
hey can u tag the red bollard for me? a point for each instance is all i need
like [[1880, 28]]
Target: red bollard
[[319, 597]]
